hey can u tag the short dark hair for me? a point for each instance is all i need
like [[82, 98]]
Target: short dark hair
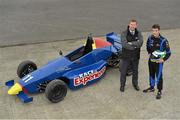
[[156, 26], [133, 20]]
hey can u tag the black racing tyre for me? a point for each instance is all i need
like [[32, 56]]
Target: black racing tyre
[[129, 71], [114, 61], [55, 91], [25, 68]]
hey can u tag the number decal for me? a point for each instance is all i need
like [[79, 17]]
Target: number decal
[[27, 78]]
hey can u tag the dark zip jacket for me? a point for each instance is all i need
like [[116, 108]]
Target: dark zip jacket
[[131, 44]]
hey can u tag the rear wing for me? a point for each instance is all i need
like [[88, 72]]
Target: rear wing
[[115, 40]]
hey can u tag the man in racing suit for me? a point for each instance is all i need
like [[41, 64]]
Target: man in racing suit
[[156, 42]]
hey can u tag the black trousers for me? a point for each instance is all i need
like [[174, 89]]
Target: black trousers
[[124, 67], [155, 74]]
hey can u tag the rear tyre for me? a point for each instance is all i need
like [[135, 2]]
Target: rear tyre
[[55, 91], [129, 71], [25, 68], [114, 61]]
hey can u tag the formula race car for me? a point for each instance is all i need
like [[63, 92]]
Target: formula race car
[[79, 68]]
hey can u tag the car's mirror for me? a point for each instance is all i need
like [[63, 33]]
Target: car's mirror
[[60, 52]]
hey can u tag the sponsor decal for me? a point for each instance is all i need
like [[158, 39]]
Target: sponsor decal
[[86, 77]]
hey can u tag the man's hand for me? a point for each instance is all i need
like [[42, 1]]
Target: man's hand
[[160, 61]]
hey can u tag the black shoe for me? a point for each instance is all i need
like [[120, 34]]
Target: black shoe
[[136, 88], [150, 89], [158, 96], [122, 89]]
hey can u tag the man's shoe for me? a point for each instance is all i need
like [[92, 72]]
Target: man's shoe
[[122, 89], [136, 88], [150, 89], [158, 96]]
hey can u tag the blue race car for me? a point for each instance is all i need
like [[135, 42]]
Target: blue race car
[[79, 68]]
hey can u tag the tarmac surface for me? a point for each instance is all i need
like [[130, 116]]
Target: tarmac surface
[[102, 100], [32, 21]]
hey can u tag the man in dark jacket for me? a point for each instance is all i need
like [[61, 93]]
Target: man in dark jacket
[[156, 43], [132, 41]]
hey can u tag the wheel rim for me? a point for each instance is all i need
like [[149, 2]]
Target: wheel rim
[[58, 92], [28, 70]]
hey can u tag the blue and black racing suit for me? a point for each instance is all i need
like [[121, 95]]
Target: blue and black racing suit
[[156, 69]]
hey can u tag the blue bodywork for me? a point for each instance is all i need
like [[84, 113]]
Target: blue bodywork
[[75, 69]]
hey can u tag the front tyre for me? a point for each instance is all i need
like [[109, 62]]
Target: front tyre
[[25, 68], [55, 91]]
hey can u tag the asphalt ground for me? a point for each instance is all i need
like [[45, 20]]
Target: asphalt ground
[[102, 100], [32, 21]]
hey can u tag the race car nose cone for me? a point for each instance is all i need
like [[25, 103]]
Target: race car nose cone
[[15, 89]]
